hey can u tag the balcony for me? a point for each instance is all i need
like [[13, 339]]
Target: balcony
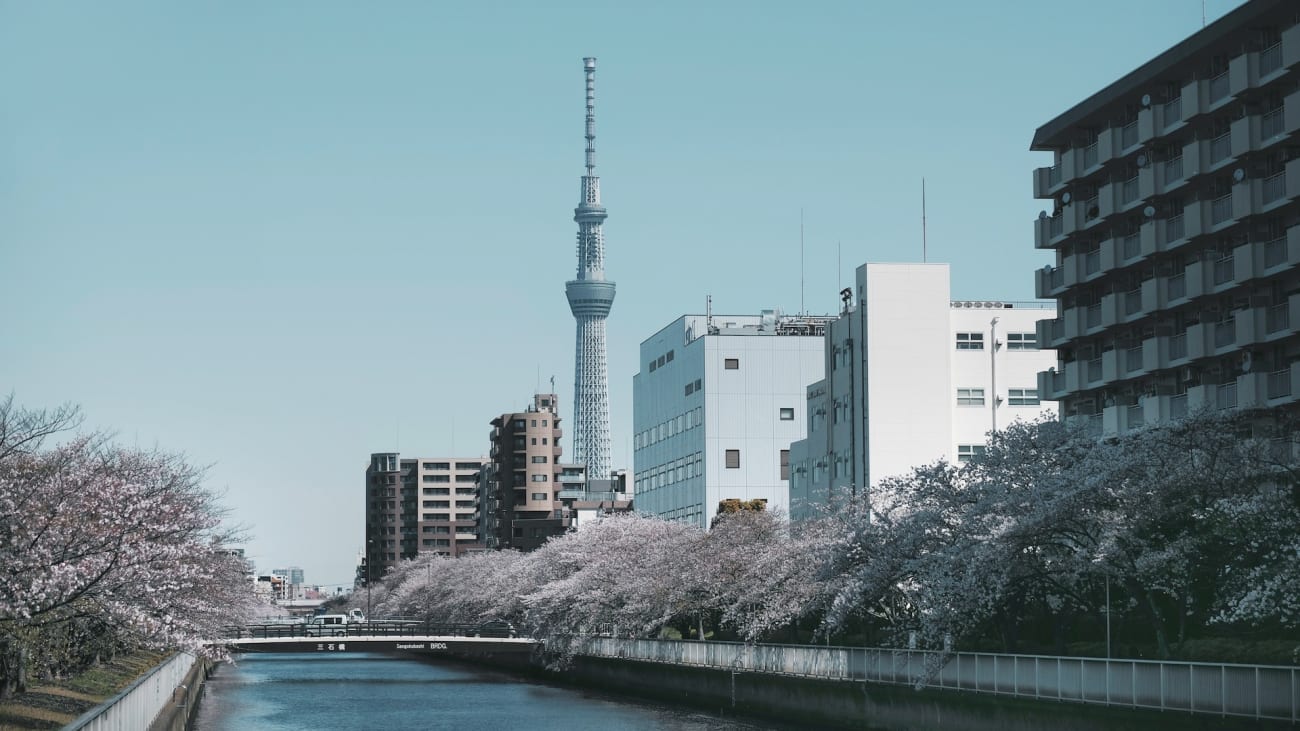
[[1088, 157], [1048, 282], [1133, 359], [1225, 333], [1051, 385], [1174, 229], [1092, 317], [1094, 370], [1046, 180], [1223, 270], [1225, 396], [1218, 87], [1221, 210], [1132, 302], [1178, 347], [1178, 406], [1050, 332], [1134, 416], [1221, 148], [1279, 384], [1171, 112], [1130, 246], [1272, 188], [1270, 59], [1128, 135], [1175, 288], [1272, 124], [1277, 319]]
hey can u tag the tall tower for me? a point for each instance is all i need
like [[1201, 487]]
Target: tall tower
[[590, 298]]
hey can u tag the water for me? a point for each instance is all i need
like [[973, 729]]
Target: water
[[287, 692]]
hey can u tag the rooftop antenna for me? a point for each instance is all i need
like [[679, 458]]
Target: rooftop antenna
[[802, 312], [708, 313], [839, 264], [923, 241], [1202, 13]]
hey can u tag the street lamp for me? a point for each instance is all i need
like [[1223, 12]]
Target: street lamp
[[370, 545]]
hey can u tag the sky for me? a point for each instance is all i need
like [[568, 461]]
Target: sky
[[279, 236]]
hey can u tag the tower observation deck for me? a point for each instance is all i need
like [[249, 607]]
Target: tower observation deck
[[590, 299]]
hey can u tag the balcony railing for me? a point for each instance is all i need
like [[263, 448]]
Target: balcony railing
[[1178, 346], [1173, 110], [1133, 359], [1057, 280], [1223, 269], [1275, 252], [1056, 225], [1174, 169], [1221, 209], [1177, 286], [1132, 301], [1090, 156], [1092, 262], [1054, 176], [1094, 370], [1277, 318], [1225, 333], [1132, 245], [1225, 396], [1279, 383], [1220, 147], [1270, 59], [1271, 124], [1135, 416], [1128, 135], [1178, 406], [1273, 187], [1218, 87], [1128, 191], [1173, 228], [1092, 316]]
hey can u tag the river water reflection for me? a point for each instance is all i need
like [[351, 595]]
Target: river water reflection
[[284, 692]]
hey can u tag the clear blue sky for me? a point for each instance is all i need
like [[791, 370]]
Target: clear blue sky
[[280, 236]]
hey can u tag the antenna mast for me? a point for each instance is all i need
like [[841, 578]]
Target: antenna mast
[[923, 241], [801, 278]]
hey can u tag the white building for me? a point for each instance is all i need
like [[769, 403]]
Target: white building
[[715, 407], [912, 376]]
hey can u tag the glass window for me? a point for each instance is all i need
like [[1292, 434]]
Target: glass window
[[541, 496], [968, 452], [970, 341], [1022, 341], [539, 478], [1022, 397], [787, 414], [970, 397], [731, 364], [733, 459]]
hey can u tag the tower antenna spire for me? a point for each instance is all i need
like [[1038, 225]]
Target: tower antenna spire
[[590, 299]]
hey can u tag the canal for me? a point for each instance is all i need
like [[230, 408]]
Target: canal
[[288, 692]]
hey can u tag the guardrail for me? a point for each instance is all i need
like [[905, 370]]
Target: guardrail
[[140, 703], [376, 628], [1252, 691]]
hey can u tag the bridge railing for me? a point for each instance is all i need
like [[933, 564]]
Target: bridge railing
[[1222, 689], [375, 628]]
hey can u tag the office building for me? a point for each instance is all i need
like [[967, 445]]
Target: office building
[[1174, 222], [912, 376], [715, 406], [421, 505]]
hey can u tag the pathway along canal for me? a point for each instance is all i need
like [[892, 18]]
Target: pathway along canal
[[289, 692]]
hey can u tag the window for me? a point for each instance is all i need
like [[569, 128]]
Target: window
[[690, 388], [733, 459], [1022, 341], [437, 504], [519, 423], [669, 357], [787, 414], [652, 366], [968, 452], [468, 465], [539, 459], [1022, 397], [970, 397], [970, 341], [466, 478], [660, 361], [436, 465], [435, 478], [540, 496], [437, 491], [533, 423], [785, 464], [731, 364], [539, 478]]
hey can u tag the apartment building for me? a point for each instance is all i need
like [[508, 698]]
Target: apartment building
[[419, 505], [912, 376], [1176, 229], [520, 485], [714, 408]]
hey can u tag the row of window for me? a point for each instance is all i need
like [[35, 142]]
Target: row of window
[[683, 468], [447, 465], [696, 385], [1014, 341], [672, 427], [661, 361], [518, 425], [1015, 397]]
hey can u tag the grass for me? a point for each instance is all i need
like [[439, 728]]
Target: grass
[[57, 703]]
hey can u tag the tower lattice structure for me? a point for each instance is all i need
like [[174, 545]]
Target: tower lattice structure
[[590, 299]]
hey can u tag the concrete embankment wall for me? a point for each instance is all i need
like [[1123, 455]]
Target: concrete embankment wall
[[846, 704]]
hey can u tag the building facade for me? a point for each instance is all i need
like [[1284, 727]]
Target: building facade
[[420, 505], [910, 377], [520, 486], [715, 406], [1176, 230]]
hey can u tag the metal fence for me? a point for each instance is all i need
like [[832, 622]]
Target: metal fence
[[141, 702], [1253, 691]]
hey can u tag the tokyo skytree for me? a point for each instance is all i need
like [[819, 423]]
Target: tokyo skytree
[[590, 299]]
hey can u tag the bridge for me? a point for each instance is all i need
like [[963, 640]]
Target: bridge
[[387, 636]]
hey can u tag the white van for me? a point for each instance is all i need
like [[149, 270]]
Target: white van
[[328, 625]]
